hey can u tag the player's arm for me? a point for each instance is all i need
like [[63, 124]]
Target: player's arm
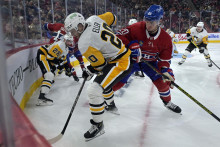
[[188, 35], [165, 53], [203, 44], [52, 27], [109, 18], [205, 41], [126, 37]]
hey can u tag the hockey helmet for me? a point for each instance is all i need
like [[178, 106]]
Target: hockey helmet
[[200, 24], [132, 21], [154, 13], [68, 39], [168, 31], [72, 21]]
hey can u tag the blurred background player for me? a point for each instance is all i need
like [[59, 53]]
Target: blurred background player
[[174, 39], [199, 36], [58, 32], [132, 21], [156, 49], [48, 56], [107, 55]]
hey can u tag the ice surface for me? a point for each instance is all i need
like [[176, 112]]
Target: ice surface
[[143, 120]]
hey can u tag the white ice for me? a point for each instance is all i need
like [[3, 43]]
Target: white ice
[[143, 120]]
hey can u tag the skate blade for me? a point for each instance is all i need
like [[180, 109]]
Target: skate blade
[[44, 103], [114, 112], [99, 134], [174, 111]]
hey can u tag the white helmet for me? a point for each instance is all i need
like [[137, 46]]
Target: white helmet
[[72, 21], [68, 36], [132, 21], [200, 24]]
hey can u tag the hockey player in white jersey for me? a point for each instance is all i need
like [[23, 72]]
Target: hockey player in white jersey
[[199, 36], [174, 40], [107, 55], [48, 56]]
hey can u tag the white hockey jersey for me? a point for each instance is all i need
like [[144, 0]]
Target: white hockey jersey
[[98, 44], [172, 35], [57, 50], [198, 37]]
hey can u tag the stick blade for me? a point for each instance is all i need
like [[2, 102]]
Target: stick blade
[[55, 139]]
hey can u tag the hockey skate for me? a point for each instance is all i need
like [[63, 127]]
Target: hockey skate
[[171, 106], [210, 64], [112, 108], [96, 130], [75, 78], [181, 62], [176, 52], [42, 100]]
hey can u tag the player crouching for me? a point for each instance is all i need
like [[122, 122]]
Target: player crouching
[[48, 56]]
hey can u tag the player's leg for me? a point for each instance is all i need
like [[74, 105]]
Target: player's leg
[[48, 76], [175, 51], [207, 57], [109, 101], [112, 73], [162, 87], [188, 50], [123, 81]]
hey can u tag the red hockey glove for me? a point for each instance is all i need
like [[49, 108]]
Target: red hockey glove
[[168, 72], [135, 52]]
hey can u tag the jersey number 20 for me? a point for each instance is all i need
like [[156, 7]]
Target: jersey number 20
[[108, 32]]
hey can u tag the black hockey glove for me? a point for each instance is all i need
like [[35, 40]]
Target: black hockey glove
[[190, 39], [68, 72], [60, 67], [89, 72], [201, 49]]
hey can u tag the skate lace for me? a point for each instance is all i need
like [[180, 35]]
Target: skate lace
[[92, 129], [171, 105]]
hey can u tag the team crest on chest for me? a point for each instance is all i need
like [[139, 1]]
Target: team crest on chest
[[150, 44]]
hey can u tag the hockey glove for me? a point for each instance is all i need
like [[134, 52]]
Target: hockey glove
[[201, 49], [88, 73], [168, 72], [135, 52], [190, 39], [68, 72]]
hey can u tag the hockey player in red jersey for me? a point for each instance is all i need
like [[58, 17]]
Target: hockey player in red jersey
[[58, 32], [156, 49]]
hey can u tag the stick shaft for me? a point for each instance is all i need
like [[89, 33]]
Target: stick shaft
[[186, 93], [57, 138]]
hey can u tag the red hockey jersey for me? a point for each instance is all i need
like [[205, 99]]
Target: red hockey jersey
[[157, 48]]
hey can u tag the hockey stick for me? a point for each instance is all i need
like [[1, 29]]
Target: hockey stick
[[142, 73], [204, 54], [183, 91], [57, 138]]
